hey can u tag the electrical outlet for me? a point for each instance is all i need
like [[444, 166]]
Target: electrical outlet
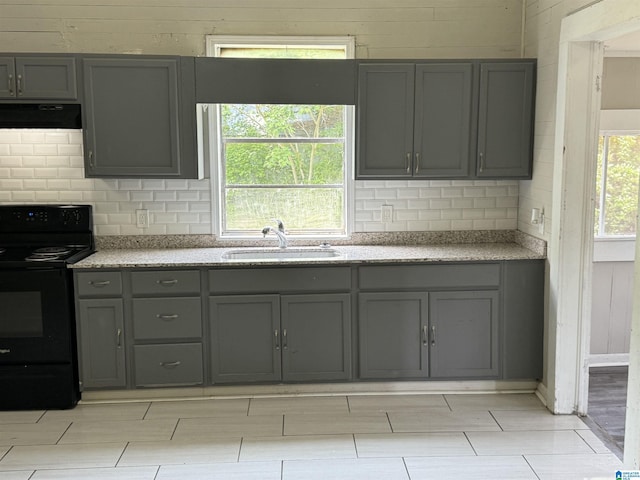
[[386, 213], [142, 218]]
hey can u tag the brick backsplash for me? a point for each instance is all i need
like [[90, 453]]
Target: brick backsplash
[[46, 166]]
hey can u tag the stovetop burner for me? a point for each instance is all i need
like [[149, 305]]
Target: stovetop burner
[[56, 251]]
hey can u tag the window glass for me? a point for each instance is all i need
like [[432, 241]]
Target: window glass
[[618, 170]]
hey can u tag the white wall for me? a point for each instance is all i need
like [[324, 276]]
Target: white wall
[[382, 29]]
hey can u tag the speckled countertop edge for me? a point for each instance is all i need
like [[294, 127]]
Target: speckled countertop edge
[[348, 254]]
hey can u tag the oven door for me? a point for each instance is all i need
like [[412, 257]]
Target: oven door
[[36, 316]]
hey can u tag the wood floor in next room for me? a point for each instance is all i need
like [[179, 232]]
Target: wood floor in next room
[[355, 437]]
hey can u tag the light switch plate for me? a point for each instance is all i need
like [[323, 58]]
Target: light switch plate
[[386, 213]]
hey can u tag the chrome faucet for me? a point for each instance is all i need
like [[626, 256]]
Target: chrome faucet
[[279, 232]]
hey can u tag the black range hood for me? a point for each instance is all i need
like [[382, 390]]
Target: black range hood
[[40, 115]]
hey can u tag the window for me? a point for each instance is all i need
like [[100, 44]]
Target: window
[[617, 180], [290, 162]]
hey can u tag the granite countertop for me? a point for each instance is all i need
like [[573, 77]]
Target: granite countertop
[[353, 254]]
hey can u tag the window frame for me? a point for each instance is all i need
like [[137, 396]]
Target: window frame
[[600, 235], [208, 123]]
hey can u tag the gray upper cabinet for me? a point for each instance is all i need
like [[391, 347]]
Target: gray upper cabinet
[[505, 118], [445, 120], [38, 78], [414, 120], [385, 120], [139, 116]]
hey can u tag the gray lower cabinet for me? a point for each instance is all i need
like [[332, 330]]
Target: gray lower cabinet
[[166, 316], [102, 352], [266, 338], [101, 331], [463, 334], [38, 78], [139, 115], [392, 335], [245, 338]]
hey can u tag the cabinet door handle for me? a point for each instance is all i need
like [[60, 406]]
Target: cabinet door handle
[[167, 283], [167, 318], [91, 158], [19, 85], [119, 338], [170, 364], [275, 336], [481, 167], [100, 283], [10, 84], [284, 339], [408, 162], [425, 340], [417, 161], [433, 335]]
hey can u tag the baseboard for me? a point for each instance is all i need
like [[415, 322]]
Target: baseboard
[[322, 389]]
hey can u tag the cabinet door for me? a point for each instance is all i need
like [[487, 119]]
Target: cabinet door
[[132, 118], [46, 78], [7, 78], [505, 120], [463, 334], [316, 337], [442, 136], [245, 338], [385, 120], [102, 354], [392, 330]]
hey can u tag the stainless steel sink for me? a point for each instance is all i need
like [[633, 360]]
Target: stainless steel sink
[[295, 253]]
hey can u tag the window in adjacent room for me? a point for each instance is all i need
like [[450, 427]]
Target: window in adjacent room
[[618, 171], [290, 162]]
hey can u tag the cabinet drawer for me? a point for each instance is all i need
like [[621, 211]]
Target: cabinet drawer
[[155, 318], [278, 280], [179, 364], [429, 276], [170, 281], [98, 284]]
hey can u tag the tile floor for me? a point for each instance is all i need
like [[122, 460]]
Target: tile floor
[[355, 437]]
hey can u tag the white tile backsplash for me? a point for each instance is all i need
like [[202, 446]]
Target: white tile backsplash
[[47, 166]]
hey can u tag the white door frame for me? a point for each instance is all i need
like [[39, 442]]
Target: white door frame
[[571, 242]]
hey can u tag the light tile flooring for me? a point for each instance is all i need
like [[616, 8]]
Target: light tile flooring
[[359, 437]]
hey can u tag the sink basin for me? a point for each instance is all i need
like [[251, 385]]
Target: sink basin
[[295, 253]]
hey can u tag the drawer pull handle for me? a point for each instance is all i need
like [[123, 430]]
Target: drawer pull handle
[[100, 283], [424, 335], [170, 364], [284, 339], [167, 318], [275, 336], [433, 335], [167, 283]]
